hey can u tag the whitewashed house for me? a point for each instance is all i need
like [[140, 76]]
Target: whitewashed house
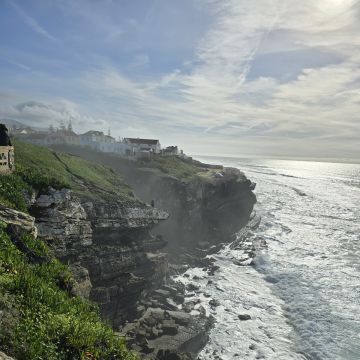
[[170, 151], [97, 140], [137, 146]]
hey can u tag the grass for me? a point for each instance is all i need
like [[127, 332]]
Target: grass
[[174, 166], [185, 169], [37, 168], [40, 320]]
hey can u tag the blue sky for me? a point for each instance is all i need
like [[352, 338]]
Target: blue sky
[[266, 78]]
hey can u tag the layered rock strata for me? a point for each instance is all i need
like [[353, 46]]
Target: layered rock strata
[[205, 210], [114, 258], [113, 248], [18, 219]]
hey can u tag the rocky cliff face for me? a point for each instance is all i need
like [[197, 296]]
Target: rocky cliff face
[[116, 249], [18, 219], [114, 258], [204, 212]]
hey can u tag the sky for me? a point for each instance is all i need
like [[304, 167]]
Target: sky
[[277, 78]]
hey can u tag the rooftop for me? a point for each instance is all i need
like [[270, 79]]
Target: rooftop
[[142, 141]]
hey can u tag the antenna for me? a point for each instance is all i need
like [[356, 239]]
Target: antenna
[[70, 128]]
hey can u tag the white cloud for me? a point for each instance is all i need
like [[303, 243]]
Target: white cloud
[[31, 21], [214, 103], [42, 114]]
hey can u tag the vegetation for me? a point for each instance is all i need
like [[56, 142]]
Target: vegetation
[[38, 168], [40, 320], [185, 169], [174, 166]]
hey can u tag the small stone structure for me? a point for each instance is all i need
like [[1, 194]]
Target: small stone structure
[[6, 151], [6, 159]]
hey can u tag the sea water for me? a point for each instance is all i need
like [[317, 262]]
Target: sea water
[[302, 290]]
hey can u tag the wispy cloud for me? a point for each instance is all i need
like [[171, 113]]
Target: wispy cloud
[[15, 63], [35, 26], [217, 100], [42, 114], [320, 103]]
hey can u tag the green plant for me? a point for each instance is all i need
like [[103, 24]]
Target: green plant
[[12, 188], [42, 320], [174, 166]]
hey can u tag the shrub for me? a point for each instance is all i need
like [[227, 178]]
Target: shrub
[[42, 321], [12, 189]]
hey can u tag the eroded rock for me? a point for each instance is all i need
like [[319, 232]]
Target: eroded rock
[[18, 220]]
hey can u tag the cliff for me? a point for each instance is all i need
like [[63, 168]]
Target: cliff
[[108, 244], [40, 318], [91, 220], [116, 245], [207, 204]]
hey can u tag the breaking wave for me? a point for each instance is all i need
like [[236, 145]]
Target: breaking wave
[[289, 288]]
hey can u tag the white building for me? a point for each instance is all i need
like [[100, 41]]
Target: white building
[[170, 151], [97, 140], [137, 145]]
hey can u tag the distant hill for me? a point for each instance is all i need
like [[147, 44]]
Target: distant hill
[[13, 122]]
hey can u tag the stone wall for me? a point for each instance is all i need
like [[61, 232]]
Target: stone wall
[[7, 164]]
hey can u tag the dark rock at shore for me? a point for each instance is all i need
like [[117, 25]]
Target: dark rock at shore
[[214, 303], [244, 317], [167, 332], [192, 287], [213, 269]]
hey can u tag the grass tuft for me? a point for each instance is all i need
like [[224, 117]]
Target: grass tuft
[[40, 319], [38, 168]]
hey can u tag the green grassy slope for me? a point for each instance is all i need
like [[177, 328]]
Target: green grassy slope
[[183, 169], [38, 168], [174, 166], [39, 319]]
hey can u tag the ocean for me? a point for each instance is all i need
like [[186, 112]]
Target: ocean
[[300, 297]]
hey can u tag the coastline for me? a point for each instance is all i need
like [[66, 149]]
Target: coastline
[[116, 246]]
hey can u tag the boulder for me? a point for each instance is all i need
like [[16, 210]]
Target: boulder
[[244, 317], [214, 303], [20, 221], [82, 285]]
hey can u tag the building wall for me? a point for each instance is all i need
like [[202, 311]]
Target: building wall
[[136, 148], [6, 159], [97, 142]]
